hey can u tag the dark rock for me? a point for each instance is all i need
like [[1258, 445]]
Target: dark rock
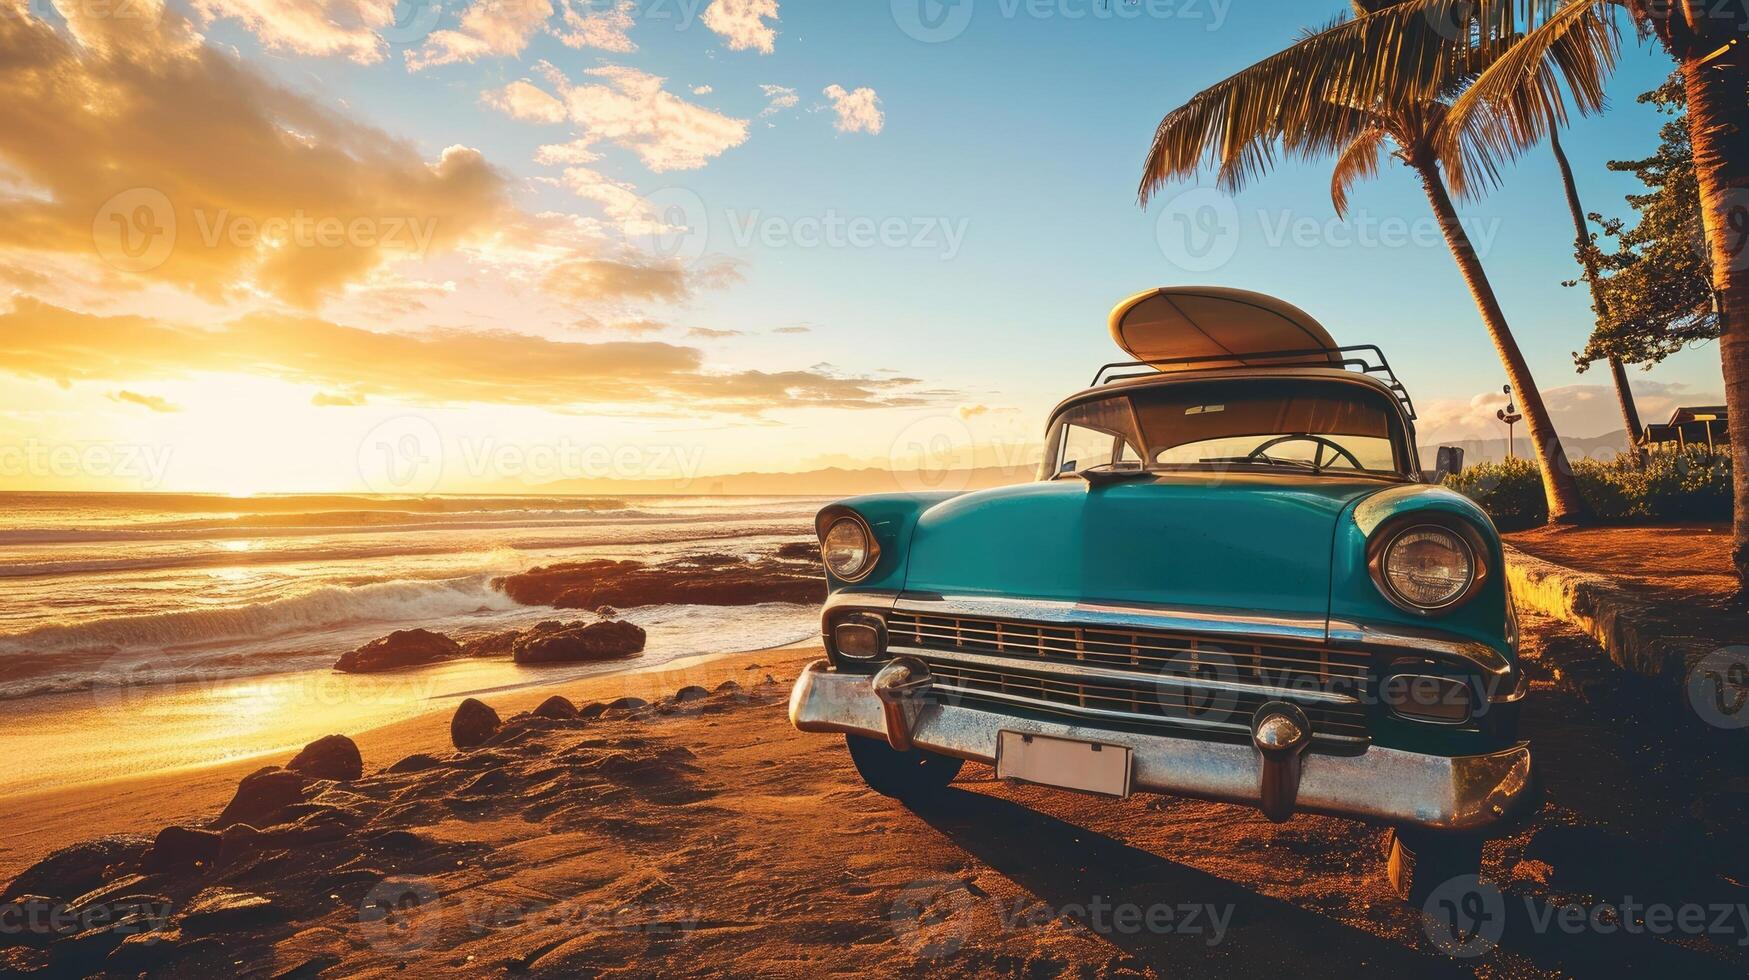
[[728, 686], [402, 648], [473, 724], [224, 909], [799, 551], [591, 710], [262, 796], [492, 782], [703, 580], [607, 612], [144, 952], [627, 703], [568, 642], [330, 757], [238, 842], [691, 692], [556, 707], [182, 849], [417, 762], [103, 893], [76, 869], [491, 645]]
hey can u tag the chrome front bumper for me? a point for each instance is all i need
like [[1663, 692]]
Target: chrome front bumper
[[1463, 793]]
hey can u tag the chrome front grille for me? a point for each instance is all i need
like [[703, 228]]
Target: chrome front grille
[[1189, 685]]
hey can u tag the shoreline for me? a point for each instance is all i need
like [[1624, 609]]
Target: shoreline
[[144, 803]]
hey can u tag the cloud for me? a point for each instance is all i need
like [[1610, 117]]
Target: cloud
[[702, 90], [351, 29], [972, 411], [1579, 410], [146, 157], [858, 111], [778, 99], [152, 402], [565, 154], [632, 110], [38, 340], [487, 28], [799, 328], [709, 333], [323, 399], [608, 279], [525, 101], [587, 25], [742, 23]]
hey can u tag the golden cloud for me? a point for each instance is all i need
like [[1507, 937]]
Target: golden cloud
[[38, 340], [131, 143]]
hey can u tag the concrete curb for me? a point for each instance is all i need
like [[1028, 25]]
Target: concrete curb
[[1639, 635]]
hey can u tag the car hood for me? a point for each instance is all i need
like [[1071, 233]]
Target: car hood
[[1259, 542]]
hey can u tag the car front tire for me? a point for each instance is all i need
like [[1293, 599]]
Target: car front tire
[[911, 775], [1418, 862]]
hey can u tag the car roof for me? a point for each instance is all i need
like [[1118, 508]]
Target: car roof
[[1336, 375]]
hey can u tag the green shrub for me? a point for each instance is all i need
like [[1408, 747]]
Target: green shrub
[[1674, 485]]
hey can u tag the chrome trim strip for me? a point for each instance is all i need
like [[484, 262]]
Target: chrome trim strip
[[1461, 793], [1233, 623], [1082, 670], [1175, 721], [1402, 638]]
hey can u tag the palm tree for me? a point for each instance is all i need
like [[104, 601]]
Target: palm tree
[[1624, 395], [1710, 43], [1384, 78]]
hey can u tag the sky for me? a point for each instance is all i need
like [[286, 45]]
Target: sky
[[484, 245]]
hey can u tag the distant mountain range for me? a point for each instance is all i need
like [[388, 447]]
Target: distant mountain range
[[839, 482]]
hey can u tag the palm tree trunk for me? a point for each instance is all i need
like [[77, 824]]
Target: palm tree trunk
[[1718, 126], [1624, 396], [1565, 504]]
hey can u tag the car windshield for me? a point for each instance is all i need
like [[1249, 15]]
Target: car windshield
[[1305, 426]]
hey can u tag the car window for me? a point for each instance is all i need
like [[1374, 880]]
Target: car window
[[1304, 425]]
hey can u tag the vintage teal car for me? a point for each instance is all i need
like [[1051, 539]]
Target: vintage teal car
[[1229, 581]]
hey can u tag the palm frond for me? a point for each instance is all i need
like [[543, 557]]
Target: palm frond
[[1519, 95], [1358, 161], [1306, 95]]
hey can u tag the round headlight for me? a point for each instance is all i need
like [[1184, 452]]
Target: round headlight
[[846, 548], [1428, 566]]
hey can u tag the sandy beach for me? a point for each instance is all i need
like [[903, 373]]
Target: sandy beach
[[45, 820]]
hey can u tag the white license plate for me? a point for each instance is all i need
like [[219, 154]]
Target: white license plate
[[1092, 767]]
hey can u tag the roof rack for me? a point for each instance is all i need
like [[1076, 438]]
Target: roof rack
[[1366, 359]]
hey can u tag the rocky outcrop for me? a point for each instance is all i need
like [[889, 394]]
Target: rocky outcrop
[[262, 796], [555, 642], [332, 757], [556, 707], [704, 580], [179, 849], [491, 645], [473, 724], [75, 870], [402, 648]]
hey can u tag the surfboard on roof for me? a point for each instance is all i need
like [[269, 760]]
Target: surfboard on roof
[[1171, 323]]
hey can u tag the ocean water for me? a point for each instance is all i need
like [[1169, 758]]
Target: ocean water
[[145, 590]]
